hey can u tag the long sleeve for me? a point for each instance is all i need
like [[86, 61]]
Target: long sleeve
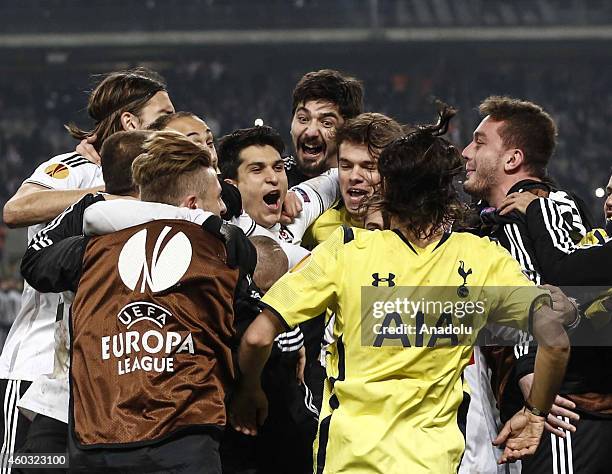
[[563, 262]]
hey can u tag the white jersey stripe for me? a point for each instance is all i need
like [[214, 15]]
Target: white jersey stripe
[[308, 402], [570, 455], [528, 263], [5, 441], [562, 453], [554, 224], [42, 236], [17, 394], [554, 457], [10, 419]]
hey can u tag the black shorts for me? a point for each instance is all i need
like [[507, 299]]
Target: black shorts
[[183, 454], [14, 424], [46, 435]]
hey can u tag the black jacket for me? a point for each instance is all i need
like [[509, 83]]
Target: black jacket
[[544, 242]]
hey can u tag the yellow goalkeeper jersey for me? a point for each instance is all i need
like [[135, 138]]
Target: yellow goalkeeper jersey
[[327, 223], [403, 319]]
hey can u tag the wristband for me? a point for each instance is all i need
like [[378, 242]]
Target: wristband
[[536, 411], [574, 324]]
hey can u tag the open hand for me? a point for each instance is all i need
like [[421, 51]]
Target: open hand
[[520, 435]]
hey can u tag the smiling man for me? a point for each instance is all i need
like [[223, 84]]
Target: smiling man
[[322, 101], [359, 142], [506, 161]]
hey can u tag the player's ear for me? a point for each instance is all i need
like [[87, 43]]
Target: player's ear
[[190, 201], [514, 160], [129, 121], [233, 182]]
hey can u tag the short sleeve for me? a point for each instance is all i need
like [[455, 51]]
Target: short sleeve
[[312, 286], [69, 171]]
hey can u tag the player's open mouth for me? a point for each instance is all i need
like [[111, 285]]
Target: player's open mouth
[[356, 195], [313, 150], [469, 173], [272, 200]]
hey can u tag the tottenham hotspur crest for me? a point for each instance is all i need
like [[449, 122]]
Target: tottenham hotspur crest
[[463, 291]]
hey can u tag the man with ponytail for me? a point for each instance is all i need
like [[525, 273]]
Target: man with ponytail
[[394, 385]]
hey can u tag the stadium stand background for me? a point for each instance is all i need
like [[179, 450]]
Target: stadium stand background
[[234, 61]]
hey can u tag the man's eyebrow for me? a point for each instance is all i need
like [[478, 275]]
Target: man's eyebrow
[[256, 163], [479, 135], [329, 114]]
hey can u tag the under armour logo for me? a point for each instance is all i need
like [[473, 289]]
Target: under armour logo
[[463, 291], [377, 279]]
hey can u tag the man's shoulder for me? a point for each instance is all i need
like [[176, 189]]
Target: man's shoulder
[[70, 159], [294, 174], [473, 242], [62, 170]]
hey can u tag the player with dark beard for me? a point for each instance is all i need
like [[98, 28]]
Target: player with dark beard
[[322, 101]]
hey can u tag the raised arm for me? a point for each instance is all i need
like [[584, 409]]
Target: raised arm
[[316, 196], [34, 204]]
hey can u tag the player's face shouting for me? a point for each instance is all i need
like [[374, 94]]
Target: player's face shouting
[[313, 128], [357, 174], [484, 159], [262, 183], [198, 131], [608, 201]]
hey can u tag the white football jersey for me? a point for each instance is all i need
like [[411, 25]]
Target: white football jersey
[[29, 346], [49, 393]]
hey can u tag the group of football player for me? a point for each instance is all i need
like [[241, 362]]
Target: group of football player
[[194, 304]]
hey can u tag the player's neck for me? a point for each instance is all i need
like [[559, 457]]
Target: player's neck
[[417, 241], [499, 192]]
